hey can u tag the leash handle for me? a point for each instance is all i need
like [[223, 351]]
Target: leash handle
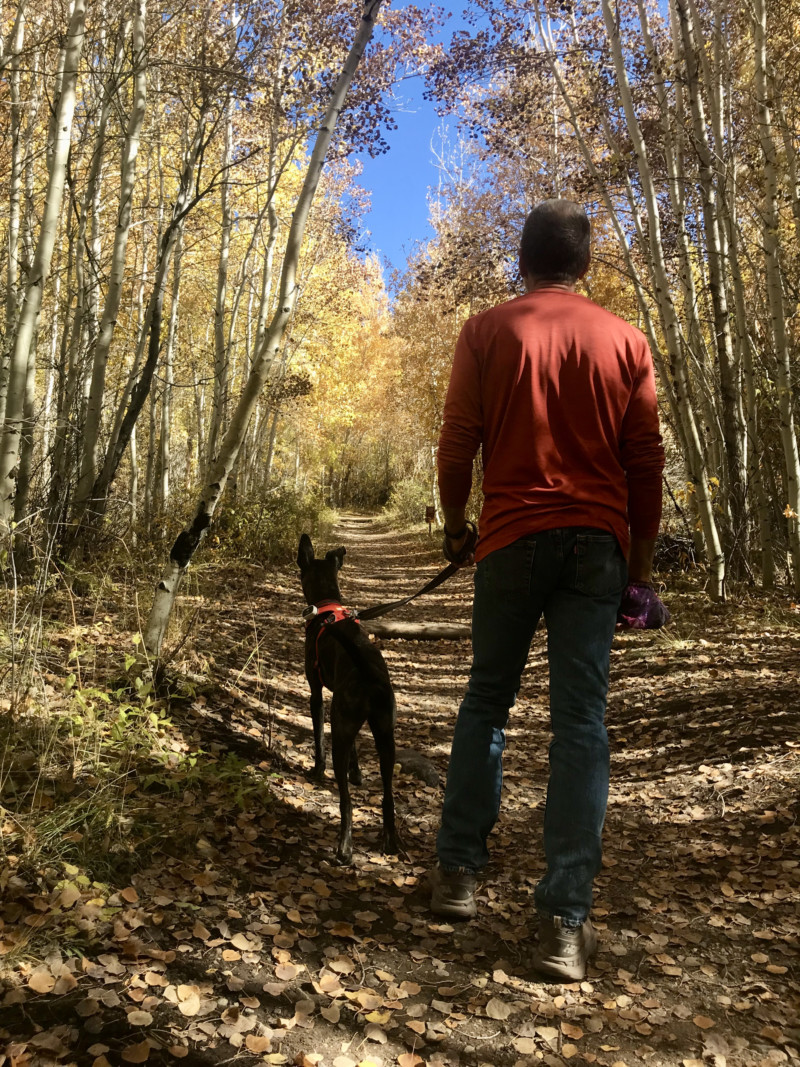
[[384, 609], [463, 555]]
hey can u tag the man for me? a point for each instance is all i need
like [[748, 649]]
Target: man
[[559, 395]]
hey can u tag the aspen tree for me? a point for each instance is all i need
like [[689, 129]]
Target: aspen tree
[[770, 237], [40, 267], [190, 538], [102, 346]]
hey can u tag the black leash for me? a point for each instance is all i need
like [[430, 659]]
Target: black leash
[[384, 609]]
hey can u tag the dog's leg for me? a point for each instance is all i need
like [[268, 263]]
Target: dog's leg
[[355, 770], [318, 719], [343, 735], [383, 732]]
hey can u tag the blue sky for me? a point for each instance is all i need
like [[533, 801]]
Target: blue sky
[[399, 180]]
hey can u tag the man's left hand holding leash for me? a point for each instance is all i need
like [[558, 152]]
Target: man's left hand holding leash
[[460, 538]]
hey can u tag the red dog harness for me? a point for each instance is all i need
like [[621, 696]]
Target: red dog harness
[[328, 612]]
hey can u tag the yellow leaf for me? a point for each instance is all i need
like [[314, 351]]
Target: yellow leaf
[[378, 1017]]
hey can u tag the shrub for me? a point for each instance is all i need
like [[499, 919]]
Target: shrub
[[408, 500], [266, 529]]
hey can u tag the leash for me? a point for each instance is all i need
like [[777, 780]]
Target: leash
[[384, 609]]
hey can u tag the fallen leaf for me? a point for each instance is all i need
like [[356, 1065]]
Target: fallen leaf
[[258, 1043], [332, 1013], [703, 1022], [41, 980], [498, 1009], [140, 1018], [526, 1046], [408, 1059], [130, 895], [136, 1053], [344, 1061], [69, 895], [368, 1000], [574, 1032], [287, 972]]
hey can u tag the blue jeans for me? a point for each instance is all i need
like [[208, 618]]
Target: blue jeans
[[575, 577]]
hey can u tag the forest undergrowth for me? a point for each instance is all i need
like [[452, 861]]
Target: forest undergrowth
[[167, 876]]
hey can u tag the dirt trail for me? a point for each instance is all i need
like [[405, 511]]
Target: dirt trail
[[697, 905]]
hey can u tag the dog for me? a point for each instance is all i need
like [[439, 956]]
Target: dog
[[340, 657]]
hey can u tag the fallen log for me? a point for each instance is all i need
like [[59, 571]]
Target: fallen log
[[419, 631]]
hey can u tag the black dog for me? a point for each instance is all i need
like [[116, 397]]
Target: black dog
[[340, 657]]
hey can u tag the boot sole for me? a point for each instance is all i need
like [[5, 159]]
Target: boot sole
[[454, 909], [562, 969]]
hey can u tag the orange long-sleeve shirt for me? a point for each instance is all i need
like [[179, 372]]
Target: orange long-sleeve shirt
[[560, 396]]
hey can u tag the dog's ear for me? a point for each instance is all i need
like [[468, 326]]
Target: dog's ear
[[305, 553], [338, 554]]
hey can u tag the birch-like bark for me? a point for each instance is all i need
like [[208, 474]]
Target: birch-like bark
[[219, 399], [664, 299], [166, 396], [108, 321], [770, 237], [190, 538], [40, 268], [716, 256], [151, 331], [672, 369], [14, 191]]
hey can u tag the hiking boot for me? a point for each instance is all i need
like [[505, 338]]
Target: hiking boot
[[453, 893], [564, 951]]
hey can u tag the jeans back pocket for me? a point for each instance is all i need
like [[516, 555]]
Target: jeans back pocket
[[601, 567]]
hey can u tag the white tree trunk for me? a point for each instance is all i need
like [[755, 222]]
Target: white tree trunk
[[774, 281], [190, 538], [108, 322], [40, 268]]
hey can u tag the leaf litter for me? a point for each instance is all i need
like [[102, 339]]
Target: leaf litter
[[236, 935]]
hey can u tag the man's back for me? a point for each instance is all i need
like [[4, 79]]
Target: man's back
[[560, 395]]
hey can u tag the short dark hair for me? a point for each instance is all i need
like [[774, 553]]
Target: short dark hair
[[555, 241]]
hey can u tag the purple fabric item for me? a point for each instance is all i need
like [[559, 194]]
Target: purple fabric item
[[641, 608]]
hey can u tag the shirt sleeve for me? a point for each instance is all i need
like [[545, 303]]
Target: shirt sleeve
[[462, 428], [642, 453]]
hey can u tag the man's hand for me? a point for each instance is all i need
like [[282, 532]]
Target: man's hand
[[461, 549], [641, 608]]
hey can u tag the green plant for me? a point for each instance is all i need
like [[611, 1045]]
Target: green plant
[[408, 500]]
